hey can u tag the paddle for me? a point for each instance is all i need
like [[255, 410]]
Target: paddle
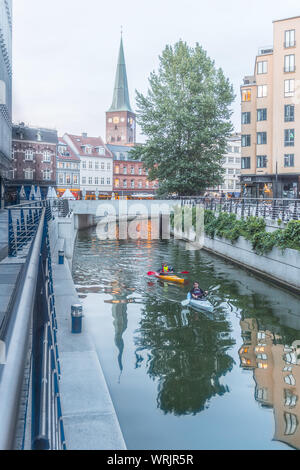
[[153, 273], [186, 302]]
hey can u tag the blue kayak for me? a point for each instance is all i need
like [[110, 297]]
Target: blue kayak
[[201, 304]]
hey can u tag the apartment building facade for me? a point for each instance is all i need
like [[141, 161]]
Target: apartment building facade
[[5, 96], [270, 112], [96, 164], [34, 158], [67, 169], [232, 166]]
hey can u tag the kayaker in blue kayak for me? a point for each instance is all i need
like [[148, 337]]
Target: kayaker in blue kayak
[[197, 293], [165, 269]]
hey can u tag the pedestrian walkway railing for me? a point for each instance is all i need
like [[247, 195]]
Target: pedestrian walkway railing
[[283, 209], [30, 338]]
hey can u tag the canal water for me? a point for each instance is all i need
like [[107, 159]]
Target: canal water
[[182, 379]]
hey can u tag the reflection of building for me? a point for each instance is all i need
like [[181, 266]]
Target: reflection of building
[[34, 158], [68, 169], [5, 94], [276, 369], [270, 116]]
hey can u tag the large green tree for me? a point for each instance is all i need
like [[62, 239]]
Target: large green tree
[[186, 120]]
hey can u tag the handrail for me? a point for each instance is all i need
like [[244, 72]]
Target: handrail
[[16, 341]]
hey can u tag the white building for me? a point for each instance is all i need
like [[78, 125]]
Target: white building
[[96, 164], [232, 166]]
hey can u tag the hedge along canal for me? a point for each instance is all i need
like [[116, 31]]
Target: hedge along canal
[[178, 378]]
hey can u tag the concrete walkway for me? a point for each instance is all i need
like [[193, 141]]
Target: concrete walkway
[[89, 417]]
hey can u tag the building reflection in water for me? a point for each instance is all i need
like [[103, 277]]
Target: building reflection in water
[[276, 369]]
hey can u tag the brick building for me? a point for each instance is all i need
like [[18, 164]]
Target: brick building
[[34, 158]]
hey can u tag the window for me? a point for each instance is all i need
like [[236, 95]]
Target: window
[[124, 183], [117, 169], [246, 95], [107, 180], [261, 138], [90, 165], [230, 171], [83, 180], [124, 170], [96, 180], [229, 149], [289, 38], [28, 174], [88, 149], [101, 150], [291, 424], [246, 163], [262, 114], [132, 170], [96, 165], [83, 163], [75, 179], [140, 171], [289, 88], [108, 166], [28, 154], [102, 180], [140, 184], [262, 91], [261, 161], [261, 394], [47, 156], [61, 178], [132, 183], [290, 399], [289, 160], [262, 67], [102, 166], [117, 183], [68, 165], [289, 113], [68, 178], [246, 140], [46, 175], [237, 150], [230, 159], [238, 160], [237, 171], [90, 180], [289, 137], [289, 63], [109, 120], [246, 118]]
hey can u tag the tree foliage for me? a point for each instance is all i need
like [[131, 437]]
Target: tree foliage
[[186, 120]]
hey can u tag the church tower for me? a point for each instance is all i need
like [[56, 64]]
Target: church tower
[[120, 119]]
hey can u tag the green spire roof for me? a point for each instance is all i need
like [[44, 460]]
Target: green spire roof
[[121, 96]]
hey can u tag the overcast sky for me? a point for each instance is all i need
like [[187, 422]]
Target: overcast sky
[[65, 51]]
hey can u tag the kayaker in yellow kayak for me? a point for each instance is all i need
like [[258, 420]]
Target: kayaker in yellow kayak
[[165, 270]]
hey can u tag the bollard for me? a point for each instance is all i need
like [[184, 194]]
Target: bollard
[[61, 257], [76, 315]]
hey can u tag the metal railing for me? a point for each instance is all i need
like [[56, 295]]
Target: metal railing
[[30, 330], [283, 209]]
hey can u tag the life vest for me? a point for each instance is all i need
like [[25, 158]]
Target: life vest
[[166, 269]]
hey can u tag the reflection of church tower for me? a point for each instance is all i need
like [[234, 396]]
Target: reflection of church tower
[[119, 313], [120, 119]]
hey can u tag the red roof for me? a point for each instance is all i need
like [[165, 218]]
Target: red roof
[[71, 155], [80, 141]]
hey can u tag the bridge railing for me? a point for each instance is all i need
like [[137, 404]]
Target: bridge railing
[[30, 331], [283, 209]]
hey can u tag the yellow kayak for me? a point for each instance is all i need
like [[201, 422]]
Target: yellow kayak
[[170, 277]]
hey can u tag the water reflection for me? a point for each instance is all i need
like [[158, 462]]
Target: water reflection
[[186, 352], [188, 358], [276, 372]]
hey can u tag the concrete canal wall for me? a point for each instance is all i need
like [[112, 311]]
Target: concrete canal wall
[[277, 265], [89, 418]]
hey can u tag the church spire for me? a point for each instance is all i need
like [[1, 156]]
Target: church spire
[[121, 96]]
